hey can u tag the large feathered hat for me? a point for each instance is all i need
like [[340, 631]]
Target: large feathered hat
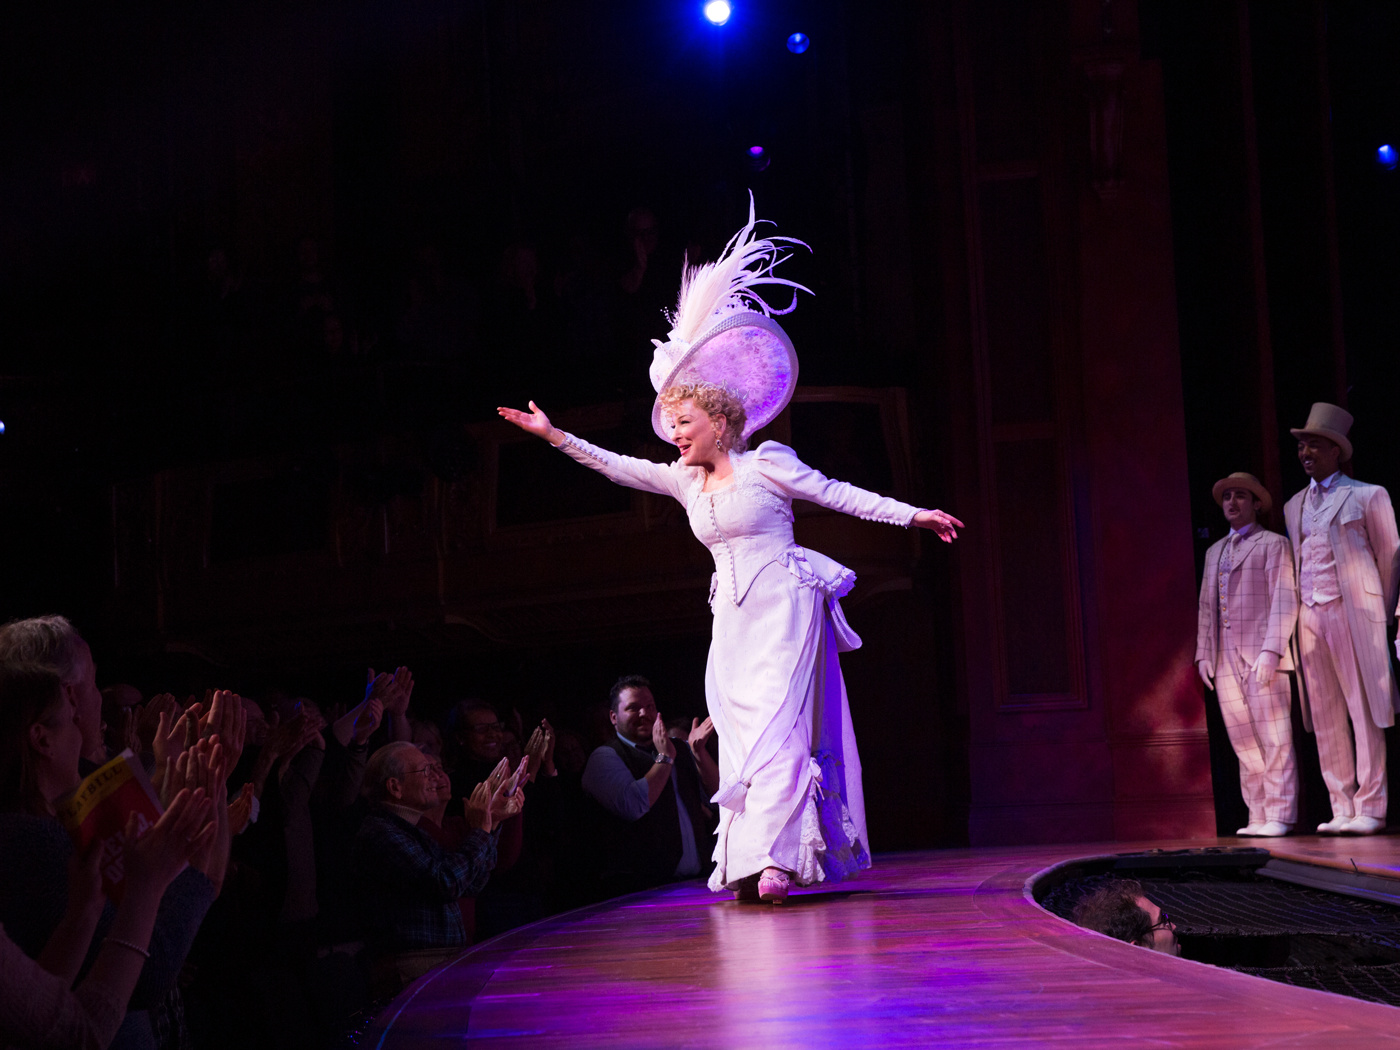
[[723, 332]]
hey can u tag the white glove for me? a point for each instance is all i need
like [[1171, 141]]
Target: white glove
[[1265, 666], [1204, 669]]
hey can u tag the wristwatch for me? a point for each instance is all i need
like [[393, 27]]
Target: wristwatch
[[664, 759]]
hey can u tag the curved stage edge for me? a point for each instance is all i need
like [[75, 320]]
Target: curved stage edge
[[941, 948]]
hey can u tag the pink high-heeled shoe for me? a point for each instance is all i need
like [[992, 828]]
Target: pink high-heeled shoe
[[773, 886]]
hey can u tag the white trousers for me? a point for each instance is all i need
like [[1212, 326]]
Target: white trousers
[[1257, 719], [1350, 746]]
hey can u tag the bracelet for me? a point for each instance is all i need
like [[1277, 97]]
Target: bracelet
[[127, 944]]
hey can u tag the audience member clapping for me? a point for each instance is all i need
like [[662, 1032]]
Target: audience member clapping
[[409, 884], [36, 1007], [40, 746]]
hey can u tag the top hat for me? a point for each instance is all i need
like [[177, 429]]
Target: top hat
[[1328, 421], [1241, 480], [723, 332]]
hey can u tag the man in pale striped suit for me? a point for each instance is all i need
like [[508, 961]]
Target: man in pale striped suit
[[1344, 547], [1249, 605]]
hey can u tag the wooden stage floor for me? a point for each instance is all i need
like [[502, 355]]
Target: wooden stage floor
[[940, 948]]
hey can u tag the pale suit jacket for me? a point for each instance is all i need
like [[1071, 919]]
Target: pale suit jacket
[[1364, 544], [1260, 595]]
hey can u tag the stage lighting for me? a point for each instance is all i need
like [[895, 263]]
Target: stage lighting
[[758, 158], [1386, 157], [717, 12], [799, 42], [2, 426]]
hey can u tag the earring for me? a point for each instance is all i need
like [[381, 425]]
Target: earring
[[718, 445]]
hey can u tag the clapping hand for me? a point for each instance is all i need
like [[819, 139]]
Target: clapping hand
[[508, 799], [174, 735], [477, 806], [661, 739], [392, 690], [539, 750], [186, 829], [240, 810], [943, 524], [226, 722], [148, 724], [700, 733]]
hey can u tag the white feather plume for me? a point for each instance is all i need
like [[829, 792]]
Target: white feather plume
[[728, 283]]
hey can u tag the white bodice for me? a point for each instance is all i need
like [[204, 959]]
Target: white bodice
[[748, 525]]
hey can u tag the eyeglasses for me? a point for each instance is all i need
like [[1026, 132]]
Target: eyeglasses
[[482, 728], [1164, 923], [434, 768]]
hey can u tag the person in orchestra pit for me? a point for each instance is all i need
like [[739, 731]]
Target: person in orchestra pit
[[1119, 909]]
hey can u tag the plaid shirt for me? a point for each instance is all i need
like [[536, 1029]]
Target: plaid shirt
[[409, 885]]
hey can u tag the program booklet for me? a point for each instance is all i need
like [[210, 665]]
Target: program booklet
[[100, 809]]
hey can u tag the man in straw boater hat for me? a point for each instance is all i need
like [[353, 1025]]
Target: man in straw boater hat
[[1248, 608], [1344, 545]]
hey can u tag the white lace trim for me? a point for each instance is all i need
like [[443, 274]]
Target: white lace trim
[[829, 847]]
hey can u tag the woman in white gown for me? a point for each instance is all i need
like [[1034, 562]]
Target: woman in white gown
[[791, 806]]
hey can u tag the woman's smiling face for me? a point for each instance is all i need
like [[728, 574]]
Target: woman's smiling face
[[696, 435]]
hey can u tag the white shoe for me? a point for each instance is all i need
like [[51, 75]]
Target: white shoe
[[1364, 825], [1273, 829], [1251, 828], [1335, 826]]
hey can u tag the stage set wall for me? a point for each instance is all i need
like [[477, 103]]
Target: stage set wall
[[1041, 279]]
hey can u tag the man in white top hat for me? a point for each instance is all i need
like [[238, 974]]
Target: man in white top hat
[[1344, 546], [1248, 608]]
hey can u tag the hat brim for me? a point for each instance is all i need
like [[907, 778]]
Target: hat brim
[[1331, 435], [1266, 501], [749, 354]]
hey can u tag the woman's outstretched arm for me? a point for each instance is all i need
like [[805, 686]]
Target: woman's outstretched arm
[[780, 466], [625, 470]]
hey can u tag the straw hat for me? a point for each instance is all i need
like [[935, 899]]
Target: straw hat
[[1241, 480], [1330, 422], [723, 332]]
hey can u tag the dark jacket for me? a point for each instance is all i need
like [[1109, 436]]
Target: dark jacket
[[645, 852]]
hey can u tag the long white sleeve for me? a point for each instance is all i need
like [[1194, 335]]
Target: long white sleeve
[[661, 478], [780, 467]]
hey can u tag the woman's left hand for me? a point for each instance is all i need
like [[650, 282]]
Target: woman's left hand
[[944, 524]]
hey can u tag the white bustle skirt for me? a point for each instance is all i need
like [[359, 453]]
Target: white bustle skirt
[[774, 688]]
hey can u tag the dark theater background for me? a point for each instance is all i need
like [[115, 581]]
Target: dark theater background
[[266, 270]]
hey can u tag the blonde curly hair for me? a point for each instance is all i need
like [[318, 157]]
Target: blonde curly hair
[[715, 401]]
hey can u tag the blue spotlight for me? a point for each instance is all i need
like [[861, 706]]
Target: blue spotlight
[[799, 42], [2, 426], [1387, 158], [717, 12], [758, 158]]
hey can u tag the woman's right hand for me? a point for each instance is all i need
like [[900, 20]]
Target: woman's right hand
[[186, 827], [534, 421]]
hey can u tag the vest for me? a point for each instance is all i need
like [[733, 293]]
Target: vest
[[649, 848]]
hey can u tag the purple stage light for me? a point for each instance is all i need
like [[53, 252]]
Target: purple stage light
[[1387, 158], [758, 158], [755, 151], [798, 43], [717, 12]]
